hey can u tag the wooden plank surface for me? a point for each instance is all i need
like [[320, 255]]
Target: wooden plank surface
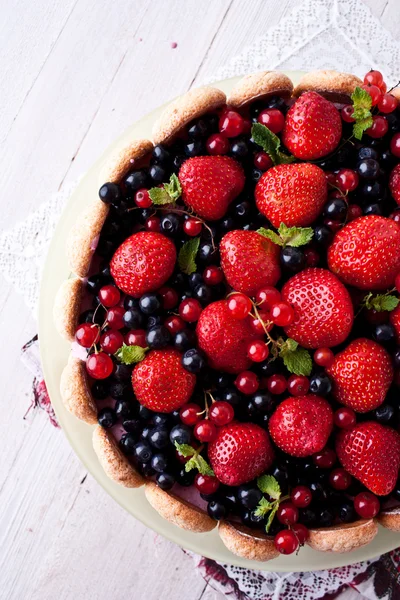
[[74, 74]]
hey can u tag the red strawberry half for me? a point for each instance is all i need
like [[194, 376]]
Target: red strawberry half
[[249, 261], [361, 375], [161, 383], [143, 263], [210, 183], [313, 127], [240, 452], [301, 426], [371, 453], [323, 308], [394, 183], [292, 194], [365, 253], [224, 339]]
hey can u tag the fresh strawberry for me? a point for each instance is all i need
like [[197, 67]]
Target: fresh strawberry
[[371, 453], [210, 183], [224, 339], [395, 321], [161, 383], [293, 194], [394, 183], [301, 426], [143, 263], [322, 306], [240, 452], [249, 261], [361, 375], [313, 127], [365, 253]]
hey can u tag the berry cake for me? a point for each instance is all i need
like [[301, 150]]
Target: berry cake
[[235, 318]]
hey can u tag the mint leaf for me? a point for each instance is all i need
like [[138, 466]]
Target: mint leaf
[[271, 516], [168, 193], [270, 143], [288, 236], [159, 196], [271, 235], [267, 484], [199, 463], [173, 188], [263, 507], [291, 345], [187, 256], [130, 354], [362, 103], [185, 449], [297, 361], [381, 302]]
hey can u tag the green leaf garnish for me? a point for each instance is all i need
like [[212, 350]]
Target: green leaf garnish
[[187, 256], [185, 449], [271, 517], [267, 484], [168, 193], [288, 236], [130, 354], [362, 103], [263, 507], [270, 143], [297, 360], [381, 302], [196, 461]]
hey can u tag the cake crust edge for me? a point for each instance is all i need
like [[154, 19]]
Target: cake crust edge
[[243, 542], [259, 85], [116, 466], [343, 538], [75, 391]]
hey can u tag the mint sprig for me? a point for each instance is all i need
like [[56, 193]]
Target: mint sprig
[[196, 461], [187, 256], [288, 236], [270, 143], [362, 104], [381, 302], [296, 359], [129, 355], [268, 485], [168, 193]]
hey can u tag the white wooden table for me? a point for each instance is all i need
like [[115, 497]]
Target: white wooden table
[[74, 73]]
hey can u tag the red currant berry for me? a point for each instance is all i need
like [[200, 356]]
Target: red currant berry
[[190, 310], [111, 341], [99, 366], [206, 484], [353, 212], [174, 324], [347, 180], [231, 124], [221, 413], [286, 542], [247, 382], [213, 275], [189, 414], [257, 351], [379, 127], [109, 295], [374, 91], [397, 282], [395, 145], [136, 337], [383, 87], [217, 144], [153, 224], [205, 431], [263, 323], [247, 124], [267, 297], [374, 78], [333, 225], [272, 118], [388, 103], [375, 317], [262, 161], [169, 297], [324, 459], [366, 505], [239, 306], [339, 479], [312, 257], [192, 227], [86, 335], [301, 532], [324, 357], [344, 418], [282, 314], [142, 198], [298, 385], [287, 513], [301, 496], [347, 113], [115, 317], [276, 384]]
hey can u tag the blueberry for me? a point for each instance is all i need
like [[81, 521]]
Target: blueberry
[[106, 417], [124, 409], [323, 235], [158, 337], [154, 321], [216, 510], [393, 122], [147, 470], [239, 149], [95, 282], [371, 191], [143, 451], [227, 224], [368, 168], [319, 492], [325, 517], [293, 259], [144, 413], [277, 102], [281, 474], [345, 511], [105, 247], [86, 316], [396, 491], [99, 389], [170, 224], [366, 152], [120, 390], [128, 443], [263, 402], [251, 520], [160, 154], [144, 214], [130, 302], [161, 419], [110, 193], [268, 368], [232, 396], [242, 210], [231, 501], [175, 416], [308, 517], [194, 148], [384, 333], [133, 318], [159, 438], [207, 254], [388, 161], [396, 358], [198, 129], [249, 496], [320, 384], [185, 478], [157, 173], [184, 340], [112, 227], [384, 413], [178, 161], [132, 426], [224, 380], [336, 208], [165, 481], [203, 293], [159, 463], [123, 372], [255, 175], [373, 209], [194, 280], [149, 303], [136, 180], [180, 434], [193, 360]]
